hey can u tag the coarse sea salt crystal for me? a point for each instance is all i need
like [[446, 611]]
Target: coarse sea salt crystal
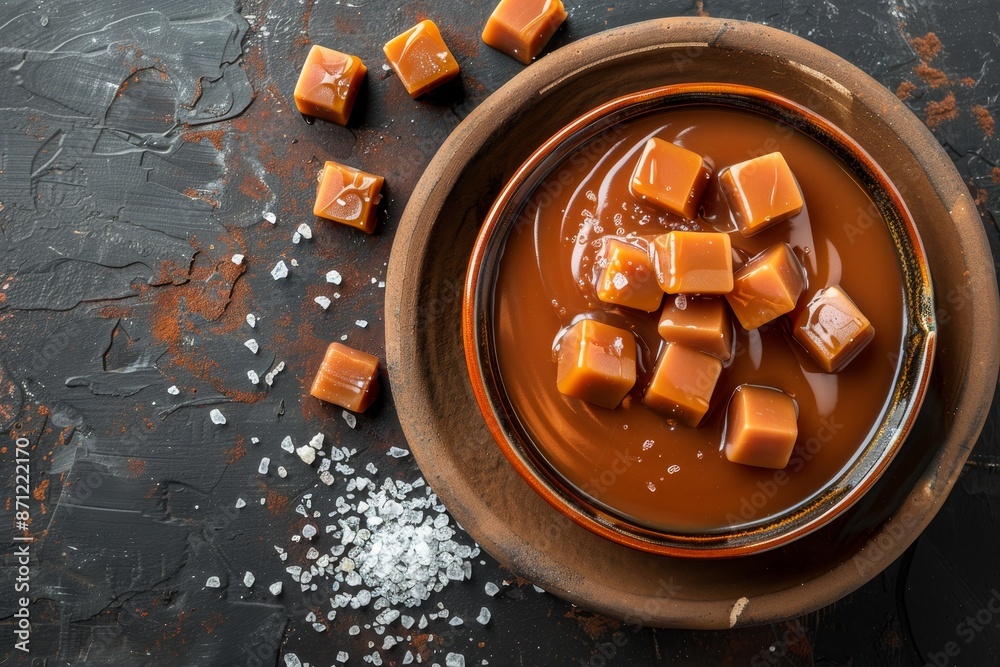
[[213, 582], [240, 503], [316, 442], [293, 262], [326, 478], [287, 444], [252, 345], [323, 301], [282, 473], [344, 337], [454, 660], [362, 323], [173, 390], [275, 588], [248, 579], [238, 259], [296, 237], [273, 373], [491, 588], [280, 270], [397, 453], [334, 277], [251, 320], [307, 454], [217, 417], [292, 660], [343, 656], [351, 420], [309, 531], [265, 463], [305, 231], [456, 621], [484, 616], [253, 377], [270, 217]]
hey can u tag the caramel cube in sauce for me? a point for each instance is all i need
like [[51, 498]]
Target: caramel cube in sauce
[[670, 177], [420, 58], [761, 427], [522, 28], [596, 363], [347, 378], [329, 84], [703, 324], [767, 287], [627, 279], [761, 192], [694, 262], [832, 329], [348, 196], [683, 383]]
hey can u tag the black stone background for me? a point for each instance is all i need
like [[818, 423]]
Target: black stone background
[[140, 143]]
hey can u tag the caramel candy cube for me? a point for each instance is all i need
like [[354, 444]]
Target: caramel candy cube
[[683, 383], [522, 28], [761, 427], [694, 262], [703, 324], [761, 192], [596, 363], [329, 84], [627, 279], [347, 378], [767, 287], [670, 177], [420, 58], [832, 329], [348, 196]]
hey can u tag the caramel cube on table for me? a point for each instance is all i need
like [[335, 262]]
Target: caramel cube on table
[[348, 196], [347, 377], [329, 84], [670, 177], [694, 262], [522, 28], [683, 383], [702, 324], [761, 427], [420, 58], [761, 192], [628, 279], [832, 329], [596, 363], [767, 287]]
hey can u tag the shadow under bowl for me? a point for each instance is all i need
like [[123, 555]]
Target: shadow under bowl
[[452, 443]]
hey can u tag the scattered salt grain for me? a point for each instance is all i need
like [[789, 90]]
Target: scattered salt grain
[[484, 616], [240, 503], [362, 323], [296, 237], [407, 621], [305, 231], [264, 464], [343, 337], [275, 588], [237, 259], [351, 420], [454, 660], [251, 320], [213, 582], [253, 377], [326, 478], [270, 217], [354, 631], [397, 453], [307, 454], [252, 345], [323, 301], [342, 656], [282, 473], [381, 284], [292, 660], [455, 621], [287, 444], [279, 271], [217, 417], [333, 277], [173, 390], [492, 589], [293, 262], [309, 531], [537, 589], [273, 373], [316, 442], [248, 579]]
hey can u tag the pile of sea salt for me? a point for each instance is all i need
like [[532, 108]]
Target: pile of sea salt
[[386, 545]]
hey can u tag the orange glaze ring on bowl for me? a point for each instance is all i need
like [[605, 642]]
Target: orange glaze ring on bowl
[[537, 267]]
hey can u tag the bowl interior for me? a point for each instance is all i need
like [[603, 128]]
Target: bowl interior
[[455, 449], [912, 371]]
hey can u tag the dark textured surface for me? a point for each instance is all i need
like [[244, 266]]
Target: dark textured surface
[[139, 145]]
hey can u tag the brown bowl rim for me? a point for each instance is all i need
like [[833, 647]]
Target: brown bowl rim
[[926, 487], [789, 525]]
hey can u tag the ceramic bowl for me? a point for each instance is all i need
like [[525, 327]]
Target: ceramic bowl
[[453, 444], [500, 414]]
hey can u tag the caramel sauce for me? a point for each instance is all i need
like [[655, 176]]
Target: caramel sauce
[[634, 461]]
